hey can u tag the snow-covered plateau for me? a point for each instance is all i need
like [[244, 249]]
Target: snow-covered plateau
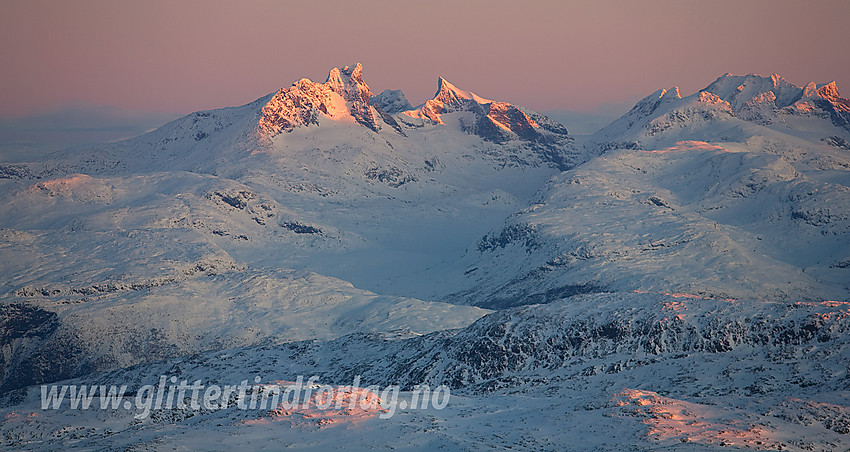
[[677, 280]]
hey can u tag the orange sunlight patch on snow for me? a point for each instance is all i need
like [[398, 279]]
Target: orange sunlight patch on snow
[[675, 306], [680, 305], [16, 416], [805, 107], [685, 422], [689, 145], [79, 187], [500, 115], [64, 184], [327, 405], [842, 312]]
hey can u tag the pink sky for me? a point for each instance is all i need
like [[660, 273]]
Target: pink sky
[[181, 56]]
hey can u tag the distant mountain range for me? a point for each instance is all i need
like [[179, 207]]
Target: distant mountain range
[[692, 255]]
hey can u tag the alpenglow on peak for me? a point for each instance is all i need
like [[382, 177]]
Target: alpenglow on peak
[[344, 96]]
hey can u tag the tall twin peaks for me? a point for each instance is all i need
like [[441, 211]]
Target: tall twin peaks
[[344, 96]]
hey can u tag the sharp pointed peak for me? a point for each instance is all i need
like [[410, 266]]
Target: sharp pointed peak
[[657, 94], [672, 93], [445, 86], [662, 94], [829, 89], [334, 78], [448, 93], [354, 73]]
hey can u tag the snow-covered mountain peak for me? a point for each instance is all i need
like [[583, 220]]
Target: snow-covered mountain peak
[[672, 93], [343, 97], [753, 88], [448, 98], [492, 120], [348, 80], [643, 109], [768, 101], [762, 99], [830, 93], [448, 93], [748, 90], [828, 90], [654, 100]]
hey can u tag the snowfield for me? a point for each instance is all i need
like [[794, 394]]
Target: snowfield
[[678, 280]]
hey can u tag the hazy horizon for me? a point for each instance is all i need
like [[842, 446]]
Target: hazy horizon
[[179, 57], [27, 137]]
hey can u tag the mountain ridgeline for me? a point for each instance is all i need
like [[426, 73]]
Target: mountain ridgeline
[[703, 240]]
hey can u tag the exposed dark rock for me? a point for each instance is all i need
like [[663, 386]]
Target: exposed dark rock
[[514, 233], [237, 200], [299, 228]]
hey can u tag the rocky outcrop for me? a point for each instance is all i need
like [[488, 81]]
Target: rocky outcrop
[[391, 101], [343, 95]]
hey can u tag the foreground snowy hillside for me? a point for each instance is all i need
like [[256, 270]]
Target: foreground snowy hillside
[[677, 280], [647, 370]]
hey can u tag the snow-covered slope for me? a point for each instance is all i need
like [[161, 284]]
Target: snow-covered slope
[[651, 370], [286, 214], [686, 196]]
